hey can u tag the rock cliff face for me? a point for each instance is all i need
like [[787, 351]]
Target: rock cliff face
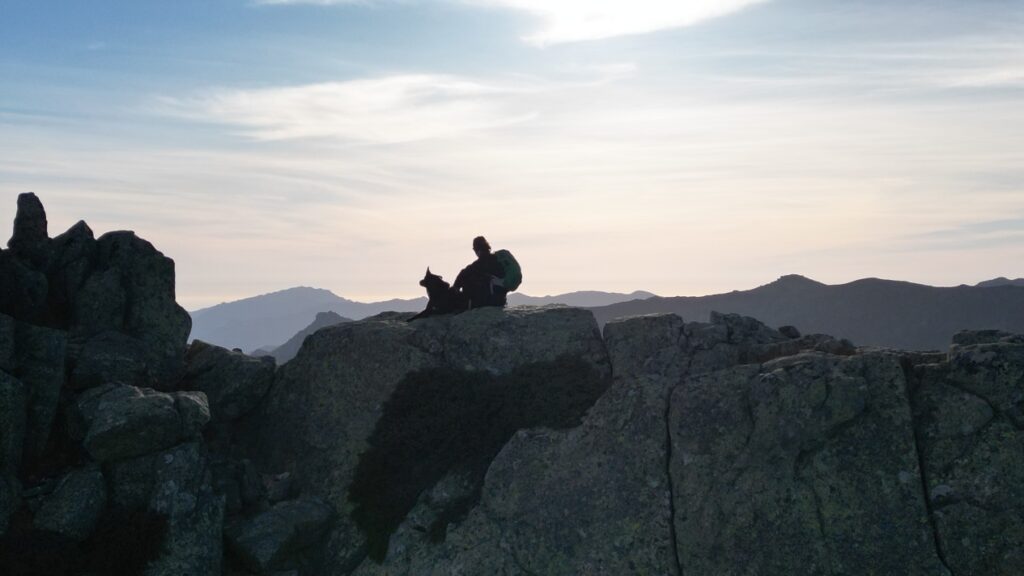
[[728, 448], [326, 404], [100, 473], [519, 441], [718, 448], [970, 434]]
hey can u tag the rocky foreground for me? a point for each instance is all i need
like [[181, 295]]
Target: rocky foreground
[[519, 441]]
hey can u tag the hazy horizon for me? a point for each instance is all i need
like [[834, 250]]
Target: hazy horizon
[[685, 148], [548, 295]]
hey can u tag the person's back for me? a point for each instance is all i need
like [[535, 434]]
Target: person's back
[[481, 280]]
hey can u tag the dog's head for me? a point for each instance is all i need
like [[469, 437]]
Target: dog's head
[[433, 282]]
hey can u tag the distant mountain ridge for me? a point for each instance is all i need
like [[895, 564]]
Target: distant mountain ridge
[[870, 312], [1001, 281], [583, 298], [289, 349], [267, 321]]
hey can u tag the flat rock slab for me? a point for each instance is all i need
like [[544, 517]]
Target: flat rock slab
[[113, 357], [803, 465], [553, 501], [968, 417], [132, 427], [325, 402], [127, 422], [233, 382], [596, 499], [500, 340]]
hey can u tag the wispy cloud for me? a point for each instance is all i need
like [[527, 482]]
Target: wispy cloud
[[851, 139], [985, 234], [888, 71], [390, 109], [992, 77], [580, 20]]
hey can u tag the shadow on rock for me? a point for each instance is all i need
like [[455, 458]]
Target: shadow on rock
[[123, 543], [442, 421]]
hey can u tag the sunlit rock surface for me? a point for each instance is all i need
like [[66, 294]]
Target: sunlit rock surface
[[326, 402], [804, 464], [971, 433]]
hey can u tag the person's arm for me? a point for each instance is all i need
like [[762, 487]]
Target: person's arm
[[460, 280]]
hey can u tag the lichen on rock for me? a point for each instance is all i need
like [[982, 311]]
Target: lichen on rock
[[971, 434]]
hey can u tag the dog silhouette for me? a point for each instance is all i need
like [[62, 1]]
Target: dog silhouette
[[441, 297]]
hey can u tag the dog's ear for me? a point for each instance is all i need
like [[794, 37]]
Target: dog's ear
[[428, 270]]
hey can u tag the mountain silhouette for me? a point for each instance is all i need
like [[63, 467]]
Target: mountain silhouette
[[1001, 281], [269, 320], [584, 298], [289, 349], [870, 312], [262, 324]]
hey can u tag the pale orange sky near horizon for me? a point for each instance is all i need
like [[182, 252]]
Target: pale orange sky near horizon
[[694, 285], [680, 148]]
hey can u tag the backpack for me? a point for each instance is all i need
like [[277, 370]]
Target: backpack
[[513, 273]]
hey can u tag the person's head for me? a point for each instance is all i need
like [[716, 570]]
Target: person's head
[[480, 246]]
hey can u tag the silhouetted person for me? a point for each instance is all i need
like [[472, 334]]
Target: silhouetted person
[[481, 281]]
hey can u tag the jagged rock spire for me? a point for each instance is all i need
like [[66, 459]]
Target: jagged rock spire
[[29, 224]]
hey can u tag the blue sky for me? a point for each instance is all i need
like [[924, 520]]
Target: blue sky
[[680, 147]]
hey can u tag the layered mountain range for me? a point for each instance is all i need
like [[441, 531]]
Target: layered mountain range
[[263, 323], [1001, 281], [870, 312]]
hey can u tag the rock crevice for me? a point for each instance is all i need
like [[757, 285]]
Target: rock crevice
[[673, 535], [964, 408]]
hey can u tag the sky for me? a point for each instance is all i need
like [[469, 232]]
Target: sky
[[684, 148]]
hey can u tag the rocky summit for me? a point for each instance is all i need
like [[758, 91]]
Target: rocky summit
[[522, 441]]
